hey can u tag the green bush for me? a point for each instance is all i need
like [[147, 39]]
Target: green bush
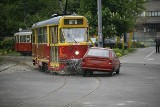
[[117, 50], [122, 52], [139, 45], [6, 46], [119, 55]]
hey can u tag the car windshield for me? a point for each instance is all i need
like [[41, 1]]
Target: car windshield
[[98, 52], [74, 34]]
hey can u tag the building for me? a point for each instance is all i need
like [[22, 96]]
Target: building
[[148, 23]]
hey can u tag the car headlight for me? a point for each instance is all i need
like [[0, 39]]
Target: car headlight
[[76, 52]]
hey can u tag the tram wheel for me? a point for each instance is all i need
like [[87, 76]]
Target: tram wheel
[[44, 67]]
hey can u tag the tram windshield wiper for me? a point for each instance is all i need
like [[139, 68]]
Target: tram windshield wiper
[[71, 38]]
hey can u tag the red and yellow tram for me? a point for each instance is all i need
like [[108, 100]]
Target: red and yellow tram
[[59, 41], [23, 42]]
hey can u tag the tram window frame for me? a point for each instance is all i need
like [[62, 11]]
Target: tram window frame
[[33, 36], [62, 38], [17, 39]]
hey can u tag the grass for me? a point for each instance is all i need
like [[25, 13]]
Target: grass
[[8, 52], [14, 53]]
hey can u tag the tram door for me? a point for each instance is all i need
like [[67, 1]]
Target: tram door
[[54, 46]]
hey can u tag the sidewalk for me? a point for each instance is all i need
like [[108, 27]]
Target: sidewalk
[[142, 56]]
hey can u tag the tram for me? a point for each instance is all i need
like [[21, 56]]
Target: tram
[[59, 41], [23, 42]]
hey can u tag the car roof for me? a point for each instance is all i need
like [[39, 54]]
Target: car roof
[[100, 48]]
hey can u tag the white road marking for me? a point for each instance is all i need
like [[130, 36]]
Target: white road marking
[[147, 57], [150, 54], [151, 59]]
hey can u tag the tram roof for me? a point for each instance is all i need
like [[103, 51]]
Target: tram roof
[[24, 32], [54, 20]]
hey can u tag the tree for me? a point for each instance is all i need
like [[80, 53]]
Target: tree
[[88, 8], [118, 17], [15, 14]]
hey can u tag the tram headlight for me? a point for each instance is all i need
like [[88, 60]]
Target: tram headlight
[[76, 52]]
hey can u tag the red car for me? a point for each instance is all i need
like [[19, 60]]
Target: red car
[[100, 59]]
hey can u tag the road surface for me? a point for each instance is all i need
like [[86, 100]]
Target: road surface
[[137, 85]]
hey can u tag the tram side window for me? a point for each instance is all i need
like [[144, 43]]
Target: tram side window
[[54, 40], [44, 40], [23, 38], [53, 33], [42, 35], [28, 38]]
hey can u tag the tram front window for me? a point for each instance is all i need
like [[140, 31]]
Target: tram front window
[[74, 34]]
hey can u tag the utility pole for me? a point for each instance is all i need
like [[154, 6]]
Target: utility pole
[[100, 36], [60, 2], [65, 11]]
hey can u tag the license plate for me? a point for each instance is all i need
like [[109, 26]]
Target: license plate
[[94, 62]]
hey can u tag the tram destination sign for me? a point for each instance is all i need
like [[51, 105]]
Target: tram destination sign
[[73, 21]]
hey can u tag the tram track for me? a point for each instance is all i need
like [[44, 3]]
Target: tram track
[[98, 81], [7, 65], [13, 65], [45, 95], [5, 68], [35, 99]]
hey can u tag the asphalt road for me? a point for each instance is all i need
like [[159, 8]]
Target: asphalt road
[[137, 85]]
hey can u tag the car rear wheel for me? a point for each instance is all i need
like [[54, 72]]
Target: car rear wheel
[[84, 72], [118, 70], [87, 72], [91, 72], [111, 74]]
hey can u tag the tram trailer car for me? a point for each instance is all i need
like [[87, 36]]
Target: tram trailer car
[[23, 42], [59, 41]]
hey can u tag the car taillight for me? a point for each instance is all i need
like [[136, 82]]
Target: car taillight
[[110, 62]]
